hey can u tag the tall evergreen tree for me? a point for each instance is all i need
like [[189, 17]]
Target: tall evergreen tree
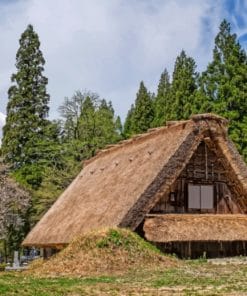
[[87, 120], [119, 126], [224, 84], [127, 131], [27, 107], [143, 113], [162, 102], [183, 87], [107, 132]]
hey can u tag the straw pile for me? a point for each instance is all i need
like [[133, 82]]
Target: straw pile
[[104, 252]]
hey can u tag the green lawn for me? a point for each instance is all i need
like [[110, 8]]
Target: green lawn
[[191, 278]]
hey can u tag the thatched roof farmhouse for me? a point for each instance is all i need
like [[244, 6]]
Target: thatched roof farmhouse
[[183, 186]]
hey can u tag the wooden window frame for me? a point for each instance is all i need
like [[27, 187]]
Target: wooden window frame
[[199, 206]]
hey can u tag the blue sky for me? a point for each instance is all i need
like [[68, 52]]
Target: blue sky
[[110, 46]]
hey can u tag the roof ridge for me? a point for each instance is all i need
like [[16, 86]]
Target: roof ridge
[[209, 116], [153, 131], [137, 138]]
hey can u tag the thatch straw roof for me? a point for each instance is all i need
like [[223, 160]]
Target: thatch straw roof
[[194, 227], [121, 184]]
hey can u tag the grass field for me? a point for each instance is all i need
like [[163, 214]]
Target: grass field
[[195, 277]]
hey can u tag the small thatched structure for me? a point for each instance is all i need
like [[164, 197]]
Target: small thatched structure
[[186, 167]]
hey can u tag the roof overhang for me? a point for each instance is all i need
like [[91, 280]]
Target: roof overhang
[[195, 227], [58, 246]]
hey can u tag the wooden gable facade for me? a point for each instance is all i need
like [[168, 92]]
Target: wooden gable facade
[[203, 199], [204, 186]]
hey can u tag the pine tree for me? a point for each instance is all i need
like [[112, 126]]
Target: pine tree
[[162, 100], [127, 131], [183, 87], [106, 130], [119, 126], [224, 84], [87, 120], [27, 107], [143, 113]]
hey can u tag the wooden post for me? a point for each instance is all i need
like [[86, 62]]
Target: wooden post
[[183, 196], [206, 161], [189, 249], [217, 197], [42, 252], [5, 251]]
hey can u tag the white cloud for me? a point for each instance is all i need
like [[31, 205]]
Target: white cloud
[[2, 118], [107, 46]]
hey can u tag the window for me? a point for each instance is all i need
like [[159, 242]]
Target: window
[[200, 197]]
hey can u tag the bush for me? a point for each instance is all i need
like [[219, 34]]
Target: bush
[[29, 175], [2, 266]]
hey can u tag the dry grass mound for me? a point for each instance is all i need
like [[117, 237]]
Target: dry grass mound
[[105, 252]]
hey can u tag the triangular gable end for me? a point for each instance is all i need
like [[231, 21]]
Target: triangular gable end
[[213, 136], [205, 170], [163, 182]]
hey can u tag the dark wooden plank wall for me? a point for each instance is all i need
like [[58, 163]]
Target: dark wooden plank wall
[[206, 249], [204, 168]]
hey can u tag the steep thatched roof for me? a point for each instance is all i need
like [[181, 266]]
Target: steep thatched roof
[[194, 227], [121, 184]]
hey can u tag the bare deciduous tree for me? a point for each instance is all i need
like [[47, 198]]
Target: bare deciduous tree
[[14, 204]]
